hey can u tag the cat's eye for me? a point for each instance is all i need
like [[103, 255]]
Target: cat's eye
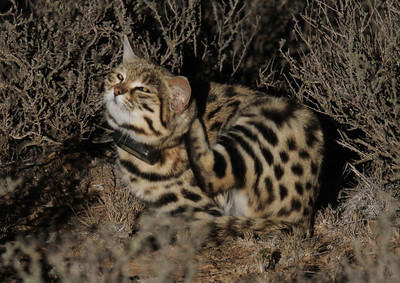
[[120, 77], [143, 89]]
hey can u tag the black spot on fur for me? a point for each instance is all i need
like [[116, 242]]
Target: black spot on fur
[[162, 159], [168, 186], [280, 116], [147, 107], [214, 212], [166, 199], [219, 167], [291, 144], [260, 206], [234, 105], [205, 207], [240, 140], [163, 113], [311, 130], [133, 128], [209, 209], [230, 91], [306, 211], [212, 113], [268, 134], [303, 154], [274, 115], [297, 169], [249, 134], [284, 156], [193, 182], [151, 127], [179, 210], [211, 98], [215, 126], [278, 172], [249, 150], [314, 168], [299, 188], [296, 204], [283, 192], [153, 243], [190, 195], [257, 189], [270, 189], [249, 115], [284, 212], [308, 186], [238, 166], [267, 155], [153, 177], [109, 117]]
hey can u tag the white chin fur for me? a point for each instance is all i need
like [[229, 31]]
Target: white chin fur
[[117, 111], [122, 116]]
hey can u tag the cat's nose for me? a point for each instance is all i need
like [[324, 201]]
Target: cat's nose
[[118, 90]]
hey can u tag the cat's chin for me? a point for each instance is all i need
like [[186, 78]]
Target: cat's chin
[[111, 99], [118, 112]]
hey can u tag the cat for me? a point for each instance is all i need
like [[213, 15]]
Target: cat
[[246, 162]]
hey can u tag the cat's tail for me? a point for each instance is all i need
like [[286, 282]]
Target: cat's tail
[[204, 229], [216, 230]]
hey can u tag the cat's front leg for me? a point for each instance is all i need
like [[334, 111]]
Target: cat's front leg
[[211, 163]]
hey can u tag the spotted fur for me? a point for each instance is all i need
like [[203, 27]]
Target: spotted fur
[[264, 158], [250, 162]]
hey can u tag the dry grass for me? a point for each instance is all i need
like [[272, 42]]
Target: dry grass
[[65, 216]]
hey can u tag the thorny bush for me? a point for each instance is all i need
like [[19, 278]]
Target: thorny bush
[[351, 73]]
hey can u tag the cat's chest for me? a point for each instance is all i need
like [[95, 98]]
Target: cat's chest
[[150, 183], [233, 202]]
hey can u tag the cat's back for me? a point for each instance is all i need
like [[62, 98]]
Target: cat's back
[[226, 103], [222, 103], [276, 143]]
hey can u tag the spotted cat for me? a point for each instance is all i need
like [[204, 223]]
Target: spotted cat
[[246, 162]]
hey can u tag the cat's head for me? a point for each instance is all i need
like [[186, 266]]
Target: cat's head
[[147, 102]]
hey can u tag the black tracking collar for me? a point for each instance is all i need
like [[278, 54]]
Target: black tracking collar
[[142, 151]]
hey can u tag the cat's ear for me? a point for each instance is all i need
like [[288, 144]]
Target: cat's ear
[[128, 56], [180, 92]]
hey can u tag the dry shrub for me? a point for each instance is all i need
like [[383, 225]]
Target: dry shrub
[[53, 58], [379, 259], [55, 54], [104, 256], [219, 40], [350, 73], [239, 37]]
